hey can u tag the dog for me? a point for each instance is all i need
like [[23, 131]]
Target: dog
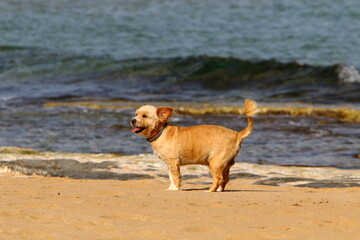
[[211, 145]]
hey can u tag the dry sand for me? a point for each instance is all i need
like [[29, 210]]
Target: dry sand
[[48, 208]]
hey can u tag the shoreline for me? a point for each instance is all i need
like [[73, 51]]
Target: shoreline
[[147, 166]]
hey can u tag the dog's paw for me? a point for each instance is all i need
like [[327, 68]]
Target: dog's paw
[[220, 189], [173, 188]]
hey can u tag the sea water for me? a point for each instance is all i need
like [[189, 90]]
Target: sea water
[[217, 52]]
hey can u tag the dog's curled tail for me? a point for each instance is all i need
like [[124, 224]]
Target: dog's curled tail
[[251, 109]]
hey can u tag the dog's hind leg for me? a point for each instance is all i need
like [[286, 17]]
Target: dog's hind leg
[[217, 170], [226, 175]]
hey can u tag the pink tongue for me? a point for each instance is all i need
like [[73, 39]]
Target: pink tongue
[[135, 129]]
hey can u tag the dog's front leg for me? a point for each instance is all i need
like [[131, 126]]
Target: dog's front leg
[[174, 174]]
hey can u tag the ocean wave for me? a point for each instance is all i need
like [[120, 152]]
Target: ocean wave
[[69, 168], [348, 74], [210, 72], [57, 73]]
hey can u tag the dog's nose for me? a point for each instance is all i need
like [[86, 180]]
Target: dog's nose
[[133, 121]]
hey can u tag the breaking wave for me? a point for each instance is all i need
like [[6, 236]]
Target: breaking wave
[[42, 74]]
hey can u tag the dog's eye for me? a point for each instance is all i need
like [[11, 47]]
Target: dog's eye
[[144, 116]]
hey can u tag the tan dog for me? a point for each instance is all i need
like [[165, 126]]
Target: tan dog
[[210, 145]]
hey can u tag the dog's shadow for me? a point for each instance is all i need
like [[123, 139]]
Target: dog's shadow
[[225, 191]]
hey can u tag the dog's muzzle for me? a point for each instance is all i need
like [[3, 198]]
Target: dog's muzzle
[[136, 129]]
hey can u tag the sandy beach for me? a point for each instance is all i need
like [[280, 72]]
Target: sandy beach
[[37, 207]]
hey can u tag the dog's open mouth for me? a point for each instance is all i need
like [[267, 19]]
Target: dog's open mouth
[[138, 129]]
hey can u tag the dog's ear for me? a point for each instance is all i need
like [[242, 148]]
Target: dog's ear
[[164, 113]]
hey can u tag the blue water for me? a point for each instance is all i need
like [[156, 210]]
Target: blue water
[[321, 32], [64, 50]]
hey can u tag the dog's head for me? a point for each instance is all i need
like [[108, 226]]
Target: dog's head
[[149, 120]]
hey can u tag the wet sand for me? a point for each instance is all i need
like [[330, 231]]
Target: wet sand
[[37, 207]]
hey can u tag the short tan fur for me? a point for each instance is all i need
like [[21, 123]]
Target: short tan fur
[[211, 145]]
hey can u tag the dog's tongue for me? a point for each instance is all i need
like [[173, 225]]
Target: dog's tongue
[[134, 130]]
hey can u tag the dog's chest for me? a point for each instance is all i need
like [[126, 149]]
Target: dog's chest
[[166, 153], [158, 154]]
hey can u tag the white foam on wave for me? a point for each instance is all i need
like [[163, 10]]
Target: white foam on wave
[[348, 74]]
